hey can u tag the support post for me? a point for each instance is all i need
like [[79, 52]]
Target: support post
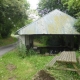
[[21, 40], [79, 42], [31, 41]]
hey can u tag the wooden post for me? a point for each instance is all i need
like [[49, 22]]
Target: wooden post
[[79, 42], [21, 40], [31, 41], [27, 41]]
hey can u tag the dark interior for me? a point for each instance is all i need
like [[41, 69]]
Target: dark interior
[[59, 43]]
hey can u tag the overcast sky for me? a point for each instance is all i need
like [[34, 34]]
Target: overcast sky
[[33, 3]]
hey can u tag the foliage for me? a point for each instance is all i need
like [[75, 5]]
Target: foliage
[[26, 67], [27, 22], [45, 6], [22, 50], [78, 53], [77, 25], [31, 52], [73, 7], [41, 39], [7, 41], [38, 44], [50, 40], [12, 15]]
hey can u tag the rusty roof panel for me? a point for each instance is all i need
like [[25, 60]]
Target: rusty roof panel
[[55, 22]]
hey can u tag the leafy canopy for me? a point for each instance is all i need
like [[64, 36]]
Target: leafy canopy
[[73, 7], [45, 6], [13, 14]]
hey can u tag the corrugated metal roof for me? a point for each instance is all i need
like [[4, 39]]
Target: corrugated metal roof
[[55, 22]]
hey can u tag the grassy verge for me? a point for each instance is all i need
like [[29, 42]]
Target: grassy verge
[[10, 40], [13, 67]]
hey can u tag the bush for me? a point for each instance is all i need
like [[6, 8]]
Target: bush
[[22, 50], [31, 52]]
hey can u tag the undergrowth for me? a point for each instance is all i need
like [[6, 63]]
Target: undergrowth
[[7, 41]]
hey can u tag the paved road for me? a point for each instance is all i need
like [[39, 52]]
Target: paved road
[[5, 49]]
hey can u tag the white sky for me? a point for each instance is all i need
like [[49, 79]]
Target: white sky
[[33, 3]]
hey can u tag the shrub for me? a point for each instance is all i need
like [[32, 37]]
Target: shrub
[[22, 50], [31, 52]]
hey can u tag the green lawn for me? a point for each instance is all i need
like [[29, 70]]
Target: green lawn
[[9, 40], [13, 67]]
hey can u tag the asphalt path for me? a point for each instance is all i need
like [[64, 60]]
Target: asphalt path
[[7, 48]]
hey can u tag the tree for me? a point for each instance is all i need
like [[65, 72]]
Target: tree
[[13, 13], [73, 7], [45, 6]]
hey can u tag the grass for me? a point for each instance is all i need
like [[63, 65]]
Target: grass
[[9, 40], [38, 44], [65, 75], [77, 54], [26, 68]]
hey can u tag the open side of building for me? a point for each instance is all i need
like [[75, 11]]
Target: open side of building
[[54, 23]]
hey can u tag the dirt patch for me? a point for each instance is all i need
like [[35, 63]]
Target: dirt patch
[[43, 75], [12, 78], [11, 67]]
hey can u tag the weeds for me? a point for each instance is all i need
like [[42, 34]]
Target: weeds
[[31, 52], [7, 41], [22, 50], [21, 68]]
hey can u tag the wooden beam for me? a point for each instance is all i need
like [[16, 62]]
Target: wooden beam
[[52, 62], [69, 69], [77, 70]]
